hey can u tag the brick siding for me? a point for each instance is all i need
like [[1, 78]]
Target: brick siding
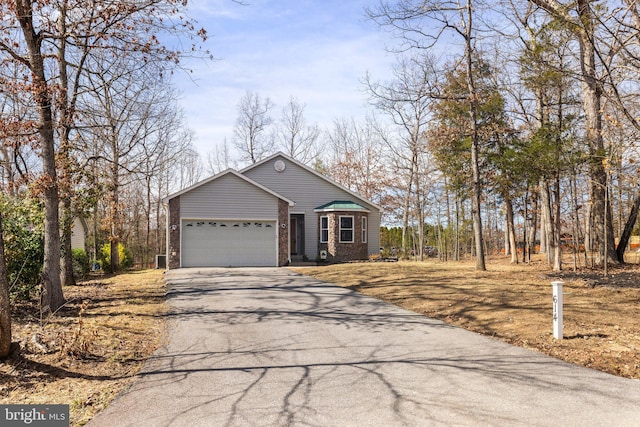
[[283, 232], [342, 252], [174, 233]]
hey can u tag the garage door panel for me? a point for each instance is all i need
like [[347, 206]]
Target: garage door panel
[[211, 243]]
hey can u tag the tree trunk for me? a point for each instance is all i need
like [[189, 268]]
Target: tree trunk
[[599, 221], [619, 220], [444, 236], [575, 240], [114, 201], [628, 228], [557, 229], [147, 242], [5, 305], [533, 227], [456, 252], [588, 232], [526, 246], [52, 296], [507, 231], [419, 210], [547, 244], [114, 241], [512, 230], [591, 101], [405, 213], [583, 27], [476, 198], [477, 202], [66, 120]]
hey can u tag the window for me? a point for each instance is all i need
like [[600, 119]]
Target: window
[[346, 229], [364, 229], [324, 229]]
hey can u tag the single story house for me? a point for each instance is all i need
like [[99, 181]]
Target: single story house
[[271, 213]]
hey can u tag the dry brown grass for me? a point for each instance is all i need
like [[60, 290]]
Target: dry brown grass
[[514, 303], [91, 349]]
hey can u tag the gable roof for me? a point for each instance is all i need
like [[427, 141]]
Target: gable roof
[[220, 175], [312, 171]]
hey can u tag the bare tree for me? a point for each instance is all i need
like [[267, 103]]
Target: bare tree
[[70, 73], [18, 160], [164, 146], [420, 24], [219, 159], [126, 109], [296, 138], [30, 32], [250, 131], [180, 166], [617, 49], [357, 157], [407, 99], [33, 59], [188, 168]]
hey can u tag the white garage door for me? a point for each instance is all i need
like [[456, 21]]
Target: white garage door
[[211, 243]]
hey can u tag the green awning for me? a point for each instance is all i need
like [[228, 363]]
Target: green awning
[[341, 205]]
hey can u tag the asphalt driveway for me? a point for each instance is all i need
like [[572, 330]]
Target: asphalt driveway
[[268, 347]]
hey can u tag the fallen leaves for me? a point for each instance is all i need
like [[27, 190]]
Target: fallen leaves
[[91, 349]]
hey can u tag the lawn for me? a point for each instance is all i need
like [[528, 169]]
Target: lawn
[[91, 349], [513, 303]]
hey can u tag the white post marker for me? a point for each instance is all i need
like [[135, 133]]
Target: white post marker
[[557, 310]]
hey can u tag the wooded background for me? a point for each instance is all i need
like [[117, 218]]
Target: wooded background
[[507, 127]]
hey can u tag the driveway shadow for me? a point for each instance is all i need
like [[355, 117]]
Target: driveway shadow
[[268, 347]]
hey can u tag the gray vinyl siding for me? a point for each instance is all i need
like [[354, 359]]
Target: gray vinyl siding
[[309, 191], [77, 234], [374, 232], [228, 197]]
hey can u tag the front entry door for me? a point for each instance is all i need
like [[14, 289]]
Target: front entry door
[[296, 234]]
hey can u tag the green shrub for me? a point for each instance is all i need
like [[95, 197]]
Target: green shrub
[[23, 244], [81, 264], [104, 257]]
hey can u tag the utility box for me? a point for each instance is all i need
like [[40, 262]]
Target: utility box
[[161, 261]]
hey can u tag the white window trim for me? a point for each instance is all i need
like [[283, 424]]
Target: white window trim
[[322, 229], [352, 229], [365, 226]]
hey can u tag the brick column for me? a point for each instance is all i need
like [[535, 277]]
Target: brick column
[[283, 232], [173, 252]]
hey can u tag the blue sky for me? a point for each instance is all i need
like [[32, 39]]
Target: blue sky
[[317, 51]]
